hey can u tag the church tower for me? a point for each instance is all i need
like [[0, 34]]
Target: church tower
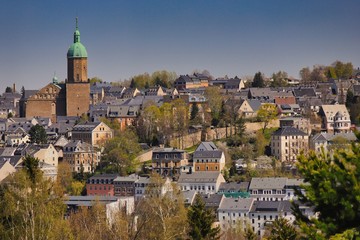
[[77, 84]]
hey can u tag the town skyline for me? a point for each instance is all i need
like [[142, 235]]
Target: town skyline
[[125, 39]]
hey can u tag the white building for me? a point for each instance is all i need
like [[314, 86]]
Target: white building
[[202, 182], [234, 211], [274, 189], [335, 118]]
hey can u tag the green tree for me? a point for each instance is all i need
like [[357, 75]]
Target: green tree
[[258, 80], [31, 166], [10, 115], [201, 220], [95, 80], [279, 79], [333, 189], [120, 153], [305, 74], [194, 113], [38, 134], [8, 90], [161, 215], [266, 114], [282, 229], [349, 98], [214, 102], [29, 207]]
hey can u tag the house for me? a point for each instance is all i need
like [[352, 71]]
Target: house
[[288, 142], [95, 134], [101, 185], [46, 153], [263, 213], [144, 186], [191, 81], [213, 160], [155, 91], [17, 137], [113, 205], [131, 93], [274, 188], [327, 141], [168, 161], [249, 107], [202, 182], [81, 156], [124, 114], [335, 118], [125, 186], [234, 211], [289, 110]]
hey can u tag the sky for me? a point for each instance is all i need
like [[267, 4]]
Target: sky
[[126, 38]]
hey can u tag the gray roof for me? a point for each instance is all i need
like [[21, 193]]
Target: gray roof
[[271, 206], [89, 200], [267, 183], [254, 104], [212, 200], [88, 126], [210, 146], [208, 154], [104, 176], [234, 186], [189, 196], [241, 204], [301, 92], [199, 177], [288, 131], [131, 178]]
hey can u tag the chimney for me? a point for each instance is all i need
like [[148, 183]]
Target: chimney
[[14, 89]]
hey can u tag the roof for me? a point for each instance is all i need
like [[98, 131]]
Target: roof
[[254, 104], [301, 92], [240, 204], [208, 154], [271, 206], [212, 200], [331, 110], [104, 176], [89, 200], [87, 126], [289, 131], [234, 186], [210, 146], [267, 183], [199, 177]]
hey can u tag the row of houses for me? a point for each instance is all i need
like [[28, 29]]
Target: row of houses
[[252, 204]]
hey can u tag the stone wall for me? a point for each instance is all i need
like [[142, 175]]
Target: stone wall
[[216, 133]]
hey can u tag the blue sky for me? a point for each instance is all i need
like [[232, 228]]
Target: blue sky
[[125, 38]]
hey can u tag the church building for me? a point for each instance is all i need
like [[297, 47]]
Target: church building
[[71, 98]]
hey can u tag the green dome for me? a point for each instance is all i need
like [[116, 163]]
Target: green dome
[[77, 50]]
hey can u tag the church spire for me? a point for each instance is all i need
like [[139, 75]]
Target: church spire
[[77, 32]]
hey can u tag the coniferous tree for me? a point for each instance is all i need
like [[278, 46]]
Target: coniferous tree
[[333, 190], [200, 221], [282, 229], [258, 80], [38, 134]]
